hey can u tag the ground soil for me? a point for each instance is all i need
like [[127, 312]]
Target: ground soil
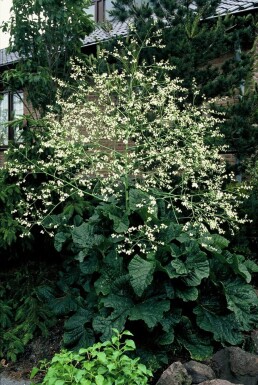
[[41, 348]]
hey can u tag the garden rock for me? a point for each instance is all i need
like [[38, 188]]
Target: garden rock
[[254, 338], [236, 365], [175, 374], [199, 372], [217, 382]]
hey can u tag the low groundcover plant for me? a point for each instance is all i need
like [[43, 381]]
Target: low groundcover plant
[[102, 364]]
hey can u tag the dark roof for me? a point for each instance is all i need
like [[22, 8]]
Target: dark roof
[[236, 6], [106, 32], [7, 58], [103, 33], [118, 28]]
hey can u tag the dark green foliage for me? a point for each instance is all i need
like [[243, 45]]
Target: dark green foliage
[[189, 293], [192, 40], [45, 34], [23, 310]]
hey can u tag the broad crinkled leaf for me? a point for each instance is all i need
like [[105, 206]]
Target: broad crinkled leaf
[[76, 334], [187, 293], [251, 266], [138, 201], [120, 224], [63, 305], [198, 267], [85, 238], [117, 302], [179, 267], [171, 319], [237, 263], [116, 319], [150, 311], [167, 338], [192, 266], [105, 325], [196, 347], [213, 242], [172, 232], [225, 329], [137, 197], [141, 274], [60, 239], [90, 265], [241, 298], [199, 347], [108, 278]]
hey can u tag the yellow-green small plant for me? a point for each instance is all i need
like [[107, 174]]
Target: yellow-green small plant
[[104, 363]]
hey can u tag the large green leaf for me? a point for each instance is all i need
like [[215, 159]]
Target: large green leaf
[[167, 338], [191, 265], [213, 242], [197, 265], [251, 266], [136, 198], [104, 324], [171, 232], [171, 319], [225, 329], [179, 267], [187, 293], [63, 305], [241, 299], [90, 265], [60, 239], [118, 302], [237, 263], [139, 201], [199, 346], [76, 333], [150, 311], [141, 274], [120, 224], [85, 238], [168, 323]]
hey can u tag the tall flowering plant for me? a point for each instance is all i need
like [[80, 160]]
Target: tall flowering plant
[[131, 184], [128, 127]]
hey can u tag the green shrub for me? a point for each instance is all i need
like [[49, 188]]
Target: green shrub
[[24, 312], [139, 225], [174, 288], [101, 364]]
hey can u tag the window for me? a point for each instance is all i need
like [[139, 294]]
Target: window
[[11, 106], [99, 9]]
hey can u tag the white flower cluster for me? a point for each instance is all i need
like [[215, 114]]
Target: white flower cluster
[[131, 126]]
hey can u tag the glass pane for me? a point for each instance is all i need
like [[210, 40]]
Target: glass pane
[[108, 7], [4, 119], [18, 111], [91, 11]]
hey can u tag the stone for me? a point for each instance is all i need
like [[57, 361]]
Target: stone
[[217, 382], [243, 363], [236, 365], [254, 338], [175, 374], [199, 372]]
